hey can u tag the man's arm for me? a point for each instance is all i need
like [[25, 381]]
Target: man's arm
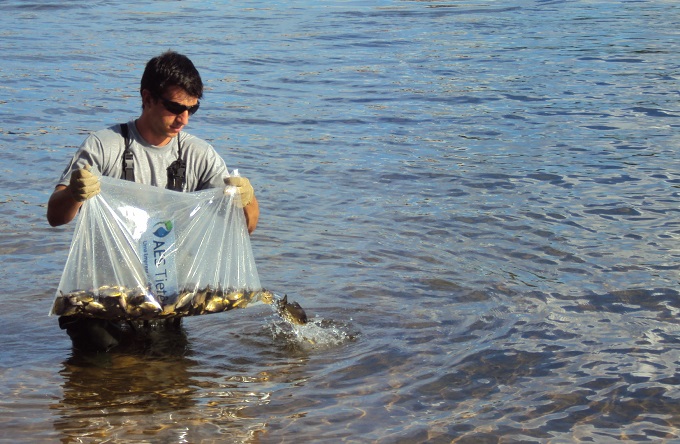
[[252, 213], [62, 208], [251, 208], [65, 201]]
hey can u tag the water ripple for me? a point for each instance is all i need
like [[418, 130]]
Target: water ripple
[[476, 204]]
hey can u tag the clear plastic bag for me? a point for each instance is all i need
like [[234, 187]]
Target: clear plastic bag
[[143, 252]]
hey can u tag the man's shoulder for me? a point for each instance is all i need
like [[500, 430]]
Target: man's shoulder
[[195, 146], [108, 133], [190, 139], [103, 139]]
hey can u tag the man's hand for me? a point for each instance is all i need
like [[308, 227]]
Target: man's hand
[[243, 187], [84, 184]]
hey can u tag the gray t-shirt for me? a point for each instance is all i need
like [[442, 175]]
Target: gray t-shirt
[[103, 150]]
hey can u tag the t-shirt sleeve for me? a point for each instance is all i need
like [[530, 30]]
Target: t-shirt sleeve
[[210, 168], [89, 153]]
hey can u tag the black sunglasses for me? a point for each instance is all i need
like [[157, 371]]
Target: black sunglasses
[[178, 108]]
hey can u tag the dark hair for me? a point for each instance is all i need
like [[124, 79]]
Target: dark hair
[[171, 69]]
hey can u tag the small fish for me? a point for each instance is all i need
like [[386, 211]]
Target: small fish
[[234, 295], [216, 305], [291, 311], [60, 305], [184, 299], [266, 296], [199, 300], [95, 307]]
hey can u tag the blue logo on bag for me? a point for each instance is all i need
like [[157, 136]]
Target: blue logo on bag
[[164, 229], [157, 249]]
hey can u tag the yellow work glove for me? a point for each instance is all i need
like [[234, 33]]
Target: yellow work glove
[[84, 184], [243, 187]]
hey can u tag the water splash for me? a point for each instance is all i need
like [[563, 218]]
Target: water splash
[[317, 333]]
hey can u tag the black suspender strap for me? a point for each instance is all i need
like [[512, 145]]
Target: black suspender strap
[[128, 158], [177, 170]]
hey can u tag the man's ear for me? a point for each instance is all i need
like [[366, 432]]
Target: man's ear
[[147, 97]]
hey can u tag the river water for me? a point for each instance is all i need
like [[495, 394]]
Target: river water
[[477, 202]]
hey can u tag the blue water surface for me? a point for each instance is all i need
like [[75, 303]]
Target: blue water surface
[[477, 203]]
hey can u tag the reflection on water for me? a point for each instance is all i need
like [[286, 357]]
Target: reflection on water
[[112, 391], [152, 391], [158, 388]]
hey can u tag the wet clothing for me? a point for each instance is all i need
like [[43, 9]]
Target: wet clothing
[[100, 335]]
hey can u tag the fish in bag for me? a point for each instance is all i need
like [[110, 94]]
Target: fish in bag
[[143, 252]]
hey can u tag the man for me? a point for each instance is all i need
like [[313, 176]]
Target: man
[[153, 150], [170, 89]]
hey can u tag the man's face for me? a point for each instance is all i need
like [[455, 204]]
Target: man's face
[[164, 123]]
